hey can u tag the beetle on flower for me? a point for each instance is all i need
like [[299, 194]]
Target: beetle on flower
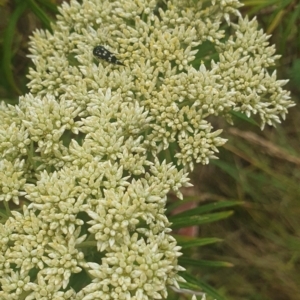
[[102, 53]]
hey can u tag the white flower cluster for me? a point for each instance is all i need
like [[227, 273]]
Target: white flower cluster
[[82, 152]]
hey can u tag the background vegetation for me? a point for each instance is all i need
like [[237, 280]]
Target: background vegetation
[[260, 170]]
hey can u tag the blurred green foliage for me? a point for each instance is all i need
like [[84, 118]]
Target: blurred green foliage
[[18, 19], [262, 169]]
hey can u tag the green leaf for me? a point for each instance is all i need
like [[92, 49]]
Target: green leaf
[[292, 21], [207, 208], [243, 117], [181, 222], [41, 14], [259, 5], [185, 261], [295, 72], [177, 203], [228, 168], [7, 46], [196, 284], [51, 6], [189, 242]]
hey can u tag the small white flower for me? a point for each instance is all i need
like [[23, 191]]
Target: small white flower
[[12, 180]]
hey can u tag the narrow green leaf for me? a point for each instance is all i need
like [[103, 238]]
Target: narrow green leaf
[[294, 74], [185, 289], [258, 5], [188, 242], [51, 6], [177, 203], [3, 215], [185, 261], [207, 208], [276, 21], [198, 220], [243, 117], [228, 168], [291, 21], [41, 14], [7, 46], [200, 285]]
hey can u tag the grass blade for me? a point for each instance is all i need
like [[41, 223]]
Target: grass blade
[[198, 220], [7, 46]]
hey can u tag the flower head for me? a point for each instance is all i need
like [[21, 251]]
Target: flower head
[[83, 147]]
